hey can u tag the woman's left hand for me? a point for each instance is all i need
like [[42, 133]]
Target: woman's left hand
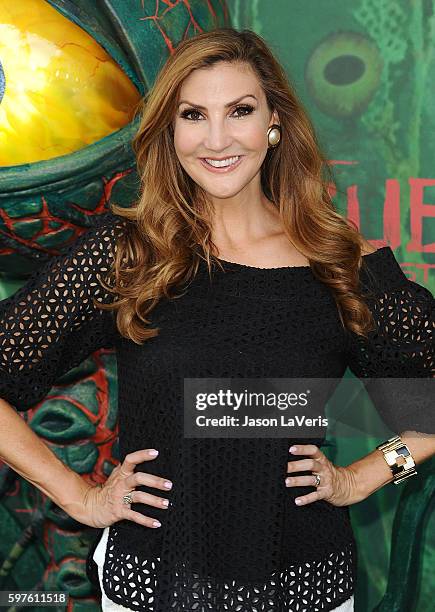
[[337, 484]]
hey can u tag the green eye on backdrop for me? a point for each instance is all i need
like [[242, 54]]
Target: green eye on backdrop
[[343, 74]]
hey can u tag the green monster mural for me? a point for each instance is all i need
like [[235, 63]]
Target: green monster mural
[[71, 76]]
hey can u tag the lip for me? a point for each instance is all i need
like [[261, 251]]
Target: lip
[[224, 169]]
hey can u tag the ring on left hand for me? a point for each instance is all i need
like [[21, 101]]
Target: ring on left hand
[[316, 484]]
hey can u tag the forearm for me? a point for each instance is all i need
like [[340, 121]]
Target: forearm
[[371, 472], [29, 456]]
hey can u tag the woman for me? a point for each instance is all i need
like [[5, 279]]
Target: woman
[[233, 263]]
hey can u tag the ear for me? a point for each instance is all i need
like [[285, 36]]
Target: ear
[[274, 119]]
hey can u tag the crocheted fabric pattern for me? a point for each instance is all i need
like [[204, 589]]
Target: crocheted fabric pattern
[[232, 538], [314, 586]]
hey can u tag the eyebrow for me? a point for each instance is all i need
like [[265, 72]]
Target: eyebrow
[[226, 105]]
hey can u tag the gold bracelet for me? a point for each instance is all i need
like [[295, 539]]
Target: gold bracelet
[[395, 449]]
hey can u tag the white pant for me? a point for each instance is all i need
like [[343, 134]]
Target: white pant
[[107, 605]]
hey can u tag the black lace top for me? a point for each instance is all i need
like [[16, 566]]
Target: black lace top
[[232, 538]]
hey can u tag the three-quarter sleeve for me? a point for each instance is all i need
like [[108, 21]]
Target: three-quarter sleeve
[[400, 352], [51, 324]]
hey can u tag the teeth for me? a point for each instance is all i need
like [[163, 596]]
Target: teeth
[[223, 162]]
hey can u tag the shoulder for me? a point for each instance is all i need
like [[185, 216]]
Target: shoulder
[[381, 276], [91, 252], [99, 238], [105, 225], [380, 269]]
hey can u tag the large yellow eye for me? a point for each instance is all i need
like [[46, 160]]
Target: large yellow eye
[[59, 89]]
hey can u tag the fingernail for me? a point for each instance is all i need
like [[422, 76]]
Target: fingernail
[[153, 452], [293, 449], [298, 502], [287, 482], [156, 524], [167, 484], [165, 502]]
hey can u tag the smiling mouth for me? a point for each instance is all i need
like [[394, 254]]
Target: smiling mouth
[[221, 165]]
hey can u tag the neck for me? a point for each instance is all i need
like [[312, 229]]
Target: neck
[[239, 222]]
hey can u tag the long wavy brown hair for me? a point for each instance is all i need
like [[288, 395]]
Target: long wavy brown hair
[[168, 229]]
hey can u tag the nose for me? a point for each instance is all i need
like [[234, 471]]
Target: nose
[[218, 136]]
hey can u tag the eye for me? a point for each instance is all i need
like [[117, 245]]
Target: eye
[[60, 90], [343, 74], [246, 108], [185, 114]]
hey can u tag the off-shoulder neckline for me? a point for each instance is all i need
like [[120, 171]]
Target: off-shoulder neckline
[[236, 265]]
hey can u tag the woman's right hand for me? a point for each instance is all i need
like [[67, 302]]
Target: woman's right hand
[[103, 504]]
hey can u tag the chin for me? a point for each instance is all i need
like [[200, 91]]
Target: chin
[[222, 194]]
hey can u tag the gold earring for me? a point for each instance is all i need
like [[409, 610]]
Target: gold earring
[[274, 135]]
